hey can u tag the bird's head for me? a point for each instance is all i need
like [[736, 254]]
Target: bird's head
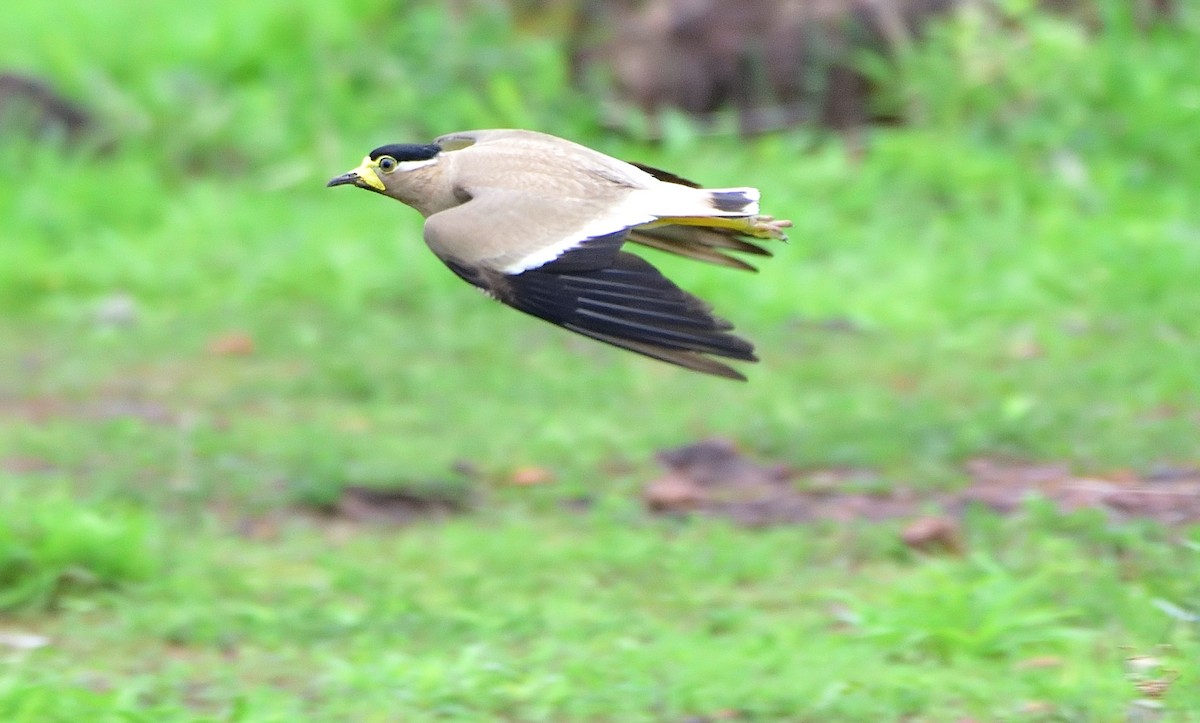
[[394, 170]]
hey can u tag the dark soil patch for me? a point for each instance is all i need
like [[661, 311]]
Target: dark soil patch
[[396, 505], [715, 478]]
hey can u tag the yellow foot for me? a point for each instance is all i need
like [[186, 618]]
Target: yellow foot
[[768, 227]]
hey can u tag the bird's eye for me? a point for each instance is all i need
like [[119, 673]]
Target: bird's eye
[[387, 164]]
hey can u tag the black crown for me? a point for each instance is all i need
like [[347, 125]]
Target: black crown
[[407, 151]]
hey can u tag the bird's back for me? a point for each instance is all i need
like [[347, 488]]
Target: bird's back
[[537, 163]]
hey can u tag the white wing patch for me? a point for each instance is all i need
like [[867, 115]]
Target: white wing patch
[[641, 206], [628, 214]]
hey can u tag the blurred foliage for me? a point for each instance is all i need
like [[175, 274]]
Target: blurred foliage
[[230, 87], [227, 86], [1012, 76], [53, 548]]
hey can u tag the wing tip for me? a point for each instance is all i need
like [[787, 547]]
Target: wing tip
[[628, 303], [691, 360]]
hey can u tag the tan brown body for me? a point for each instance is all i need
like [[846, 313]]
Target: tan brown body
[[538, 222]]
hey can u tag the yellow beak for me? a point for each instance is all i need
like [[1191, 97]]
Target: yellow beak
[[364, 176]]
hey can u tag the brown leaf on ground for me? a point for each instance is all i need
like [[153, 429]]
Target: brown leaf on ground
[[673, 492], [934, 534], [1038, 662], [530, 476], [234, 343]]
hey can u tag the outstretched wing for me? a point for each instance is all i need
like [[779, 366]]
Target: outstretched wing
[[580, 279]]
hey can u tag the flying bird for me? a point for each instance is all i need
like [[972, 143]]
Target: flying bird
[[539, 223]]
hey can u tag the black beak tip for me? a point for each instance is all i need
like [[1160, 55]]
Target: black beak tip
[[342, 180]]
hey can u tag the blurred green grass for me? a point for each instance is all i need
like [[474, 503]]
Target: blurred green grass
[[1011, 274], [605, 617]]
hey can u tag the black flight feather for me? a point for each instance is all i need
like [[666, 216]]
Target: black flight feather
[[620, 299], [700, 243], [665, 176]]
